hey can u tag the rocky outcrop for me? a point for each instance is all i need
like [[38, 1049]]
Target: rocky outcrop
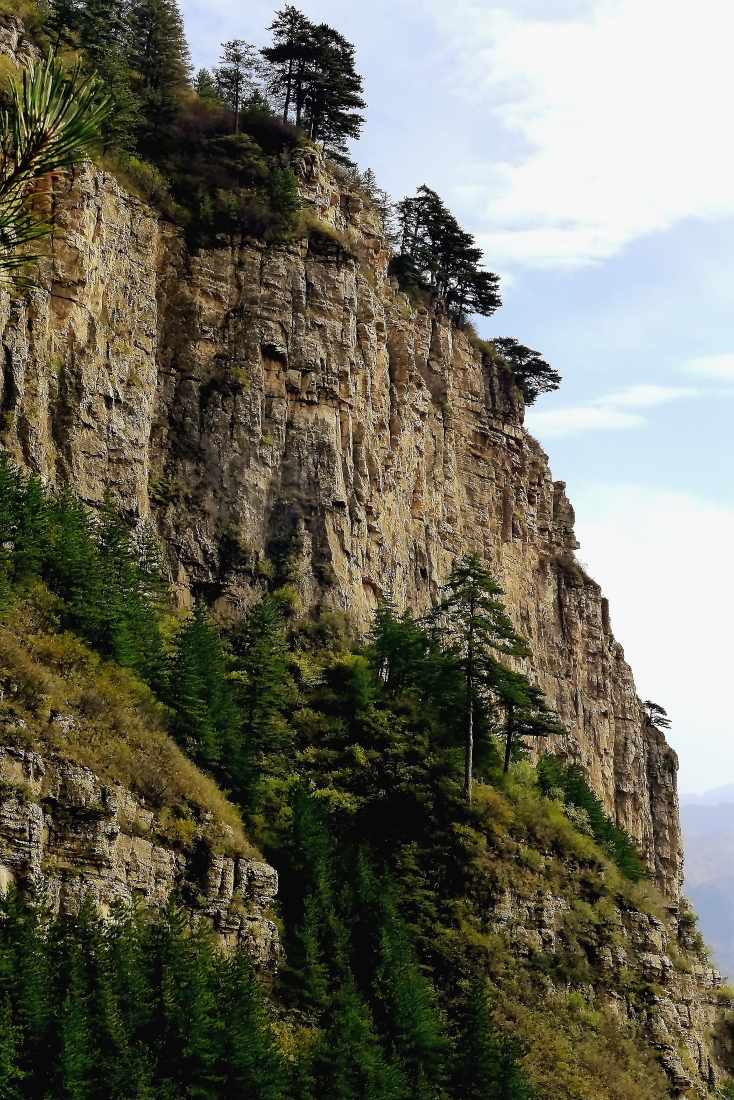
[[684, 998], [67, 836], [286, 415]]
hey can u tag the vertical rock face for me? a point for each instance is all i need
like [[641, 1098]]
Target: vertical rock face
[[283, 410], [69, 836]]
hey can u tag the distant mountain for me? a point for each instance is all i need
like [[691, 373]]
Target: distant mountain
[[708, 838], [710, 798]]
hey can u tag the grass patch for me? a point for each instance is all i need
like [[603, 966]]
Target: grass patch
[[58, 696]]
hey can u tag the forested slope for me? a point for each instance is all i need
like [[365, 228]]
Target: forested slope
[[249, 444]]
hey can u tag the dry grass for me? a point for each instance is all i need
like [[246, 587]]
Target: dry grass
[[58, 696]]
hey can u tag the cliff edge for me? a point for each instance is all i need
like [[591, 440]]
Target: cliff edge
[[283, 410]]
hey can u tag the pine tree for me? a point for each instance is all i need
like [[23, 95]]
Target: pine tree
[[486, 1063], [471, 613], [158, 55], [261, 677], [288, 59], [256, 1070], [311, 71], [436, 253], [657, 716], [236, 74], [533, 375], [526, 710], [351, 1062], [206, 721], [408, 1019], [332, 91]]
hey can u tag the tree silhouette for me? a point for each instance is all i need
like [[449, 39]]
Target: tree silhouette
[[532, 374]]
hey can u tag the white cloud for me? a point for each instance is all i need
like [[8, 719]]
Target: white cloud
[[663, 559], [555, 423], [640, 396], [720, 367], [619, 114], [605, 412]]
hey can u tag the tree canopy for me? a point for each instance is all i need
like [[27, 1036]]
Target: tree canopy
[[533, 374], [311, 74], [436, 253]]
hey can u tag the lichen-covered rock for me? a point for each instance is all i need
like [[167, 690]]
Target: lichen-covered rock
[[68, 836]]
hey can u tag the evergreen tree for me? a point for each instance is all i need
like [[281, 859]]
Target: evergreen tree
[[471, 613], [332, 92], [262, 684], [408, 1018], [236, 74], [159, 58], [527, 713], [288, 59], [257, 1070], [206, 721], [205, 85], [533, 375], [62, 23], [436, 253], [656, 715], [311, 72], [486, 1063]]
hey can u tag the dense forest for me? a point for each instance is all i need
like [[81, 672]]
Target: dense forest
[[352, 765]]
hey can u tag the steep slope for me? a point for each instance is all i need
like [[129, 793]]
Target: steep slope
[[286, 415], [283, 410]]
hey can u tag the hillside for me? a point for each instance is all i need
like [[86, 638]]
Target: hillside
[[708, 830], [312, 448]]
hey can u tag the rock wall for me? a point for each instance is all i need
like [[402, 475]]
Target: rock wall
[[67, 836], [282, 410], [684, 998]]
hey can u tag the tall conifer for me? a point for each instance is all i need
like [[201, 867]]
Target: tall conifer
[[158, 55]]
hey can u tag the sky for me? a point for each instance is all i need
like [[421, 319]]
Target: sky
[[588, 145]]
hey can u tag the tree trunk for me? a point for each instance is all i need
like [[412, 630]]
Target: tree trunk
[[288, 89], [469, 762], [508, 746]]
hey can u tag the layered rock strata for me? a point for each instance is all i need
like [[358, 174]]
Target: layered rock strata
[[677, 1019], [283, 411], [67, 836]]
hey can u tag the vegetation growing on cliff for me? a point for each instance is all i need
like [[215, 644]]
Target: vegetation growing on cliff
[[53, 120], [215, 153], [348, 762]]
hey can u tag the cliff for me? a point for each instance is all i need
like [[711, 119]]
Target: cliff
[[283, 410], [284, 413]]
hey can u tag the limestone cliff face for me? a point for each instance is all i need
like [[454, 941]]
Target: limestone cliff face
[[282, 409], [68, 836]]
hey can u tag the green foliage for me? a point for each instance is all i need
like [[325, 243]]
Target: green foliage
[[206, 721], [475, 626], [347, 761], [533, 375], [436, 254], [311, 73], [234, 78], [54, 120], [110, 581], [130, 1007], [553, 776], [486, 1062], [158, 59]]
